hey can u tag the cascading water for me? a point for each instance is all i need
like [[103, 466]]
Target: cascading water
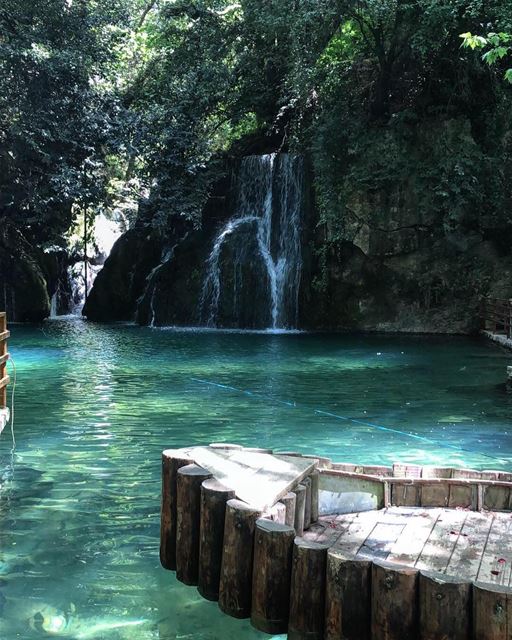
[[256, 258]]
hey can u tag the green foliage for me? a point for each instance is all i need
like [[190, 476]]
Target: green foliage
[[57, 115], [498, 47], [109, 103]]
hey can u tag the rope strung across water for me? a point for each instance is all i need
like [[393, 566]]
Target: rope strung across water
[[371, 425]]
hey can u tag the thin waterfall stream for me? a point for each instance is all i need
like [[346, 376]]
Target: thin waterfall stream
[[259, 247]]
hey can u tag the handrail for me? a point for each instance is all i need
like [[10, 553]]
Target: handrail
[[4, 356], [496, 316]]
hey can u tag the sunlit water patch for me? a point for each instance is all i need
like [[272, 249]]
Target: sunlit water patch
[[95, 406]]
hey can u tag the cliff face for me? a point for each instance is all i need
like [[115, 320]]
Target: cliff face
[[24, 277], [419, 241]]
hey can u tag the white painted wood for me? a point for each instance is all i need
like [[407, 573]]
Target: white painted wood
[[260, 479]]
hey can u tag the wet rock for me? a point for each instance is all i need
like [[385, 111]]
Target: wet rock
[[23, 287], [122, 281]]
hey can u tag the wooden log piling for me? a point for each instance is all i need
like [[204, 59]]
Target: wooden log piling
[[307, 503], [307, 591], [235, 585], [492, 612], [272, 567], [315, 495], [348, 597], [214, 497], [394, 600], [172, 460], [444, 607], [341, 580], [289, 501], [300, 507], [188, 492]]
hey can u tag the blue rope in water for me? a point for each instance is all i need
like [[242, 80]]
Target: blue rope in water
[[336, 416]]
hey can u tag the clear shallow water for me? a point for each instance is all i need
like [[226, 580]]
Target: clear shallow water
[[95, 406]]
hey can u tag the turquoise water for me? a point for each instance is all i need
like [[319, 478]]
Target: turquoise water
[[95, 406]]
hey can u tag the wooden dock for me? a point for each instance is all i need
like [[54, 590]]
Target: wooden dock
[[316, 549]]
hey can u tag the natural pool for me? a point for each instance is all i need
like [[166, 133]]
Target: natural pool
[[95, 405]]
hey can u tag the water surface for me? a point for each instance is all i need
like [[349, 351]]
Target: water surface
[[95, 406]]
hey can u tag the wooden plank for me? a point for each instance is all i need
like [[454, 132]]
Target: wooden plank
[[435, 494], [401, 470], [260, 479], [496, 564], [381, 540], [381, 472], [469, 547], [463, 495], [4, 382], [4, 335], [496, 498], [329, 531], [352, 539], [439, 547], [4, 358], [415, 534], [436, 472], [405, 494]]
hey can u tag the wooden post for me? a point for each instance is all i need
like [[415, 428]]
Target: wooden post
[[188, 493], [271, 575], [237, 559], [315, 486], [277, 513], [300, 505], [307, 591], [492, 612], [348, 598], [289, 501], [394, 602], [445, 607], [307, 503], [214, 496], [172, 460]]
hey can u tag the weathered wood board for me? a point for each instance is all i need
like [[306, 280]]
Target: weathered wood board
[[260, 479], [454, 542]]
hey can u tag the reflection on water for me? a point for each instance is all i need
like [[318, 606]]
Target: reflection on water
[[96, 405]]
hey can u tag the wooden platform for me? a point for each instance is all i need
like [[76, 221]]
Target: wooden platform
[[459, 543], [326, 550]]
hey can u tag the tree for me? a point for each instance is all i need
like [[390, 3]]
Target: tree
[[498, 45]]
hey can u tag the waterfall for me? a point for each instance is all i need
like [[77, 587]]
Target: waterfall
[[256, 257], [53, 306]]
